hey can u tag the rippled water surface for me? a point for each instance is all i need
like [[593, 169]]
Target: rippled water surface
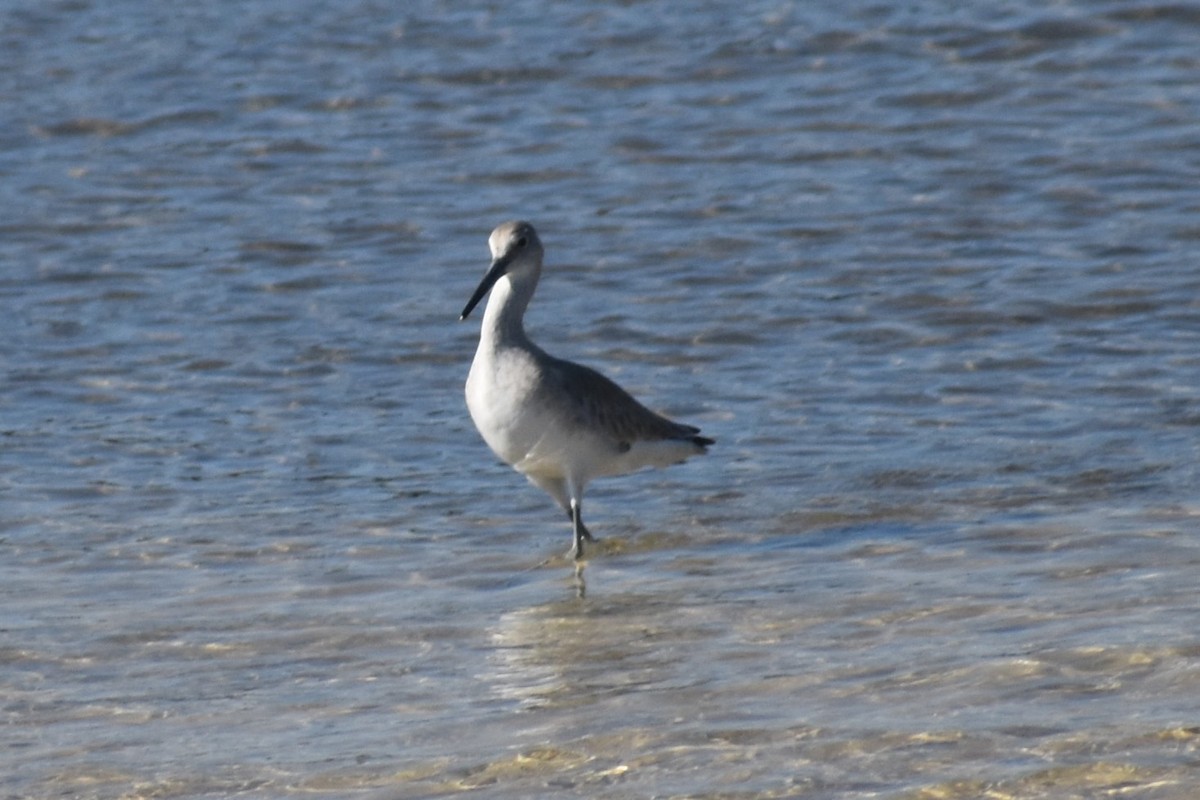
[[926, 272]]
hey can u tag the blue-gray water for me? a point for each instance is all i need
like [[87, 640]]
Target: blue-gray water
[[926, 271]]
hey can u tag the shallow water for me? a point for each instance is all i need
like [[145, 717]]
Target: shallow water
[[925, 273]]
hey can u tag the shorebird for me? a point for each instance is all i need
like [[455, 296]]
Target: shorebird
[[558, 423]]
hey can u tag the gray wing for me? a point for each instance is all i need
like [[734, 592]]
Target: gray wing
[[598, 403]]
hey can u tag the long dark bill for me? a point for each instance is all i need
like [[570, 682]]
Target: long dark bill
[[498, 268]]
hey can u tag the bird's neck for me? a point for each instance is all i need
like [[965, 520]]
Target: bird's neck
[[504, 317]]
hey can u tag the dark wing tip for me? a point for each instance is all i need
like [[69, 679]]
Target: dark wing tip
[[692, 434]]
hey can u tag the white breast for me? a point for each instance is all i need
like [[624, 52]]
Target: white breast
[[500, 390]]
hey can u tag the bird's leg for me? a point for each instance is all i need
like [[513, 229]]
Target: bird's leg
[[587, 535], [580, 531]]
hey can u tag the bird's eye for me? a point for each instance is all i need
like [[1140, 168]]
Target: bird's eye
[[522, 242]]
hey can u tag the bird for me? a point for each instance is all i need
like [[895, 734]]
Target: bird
[[558, 423]]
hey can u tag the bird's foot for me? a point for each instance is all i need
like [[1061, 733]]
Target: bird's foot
[[576, 551], [580, 532]]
